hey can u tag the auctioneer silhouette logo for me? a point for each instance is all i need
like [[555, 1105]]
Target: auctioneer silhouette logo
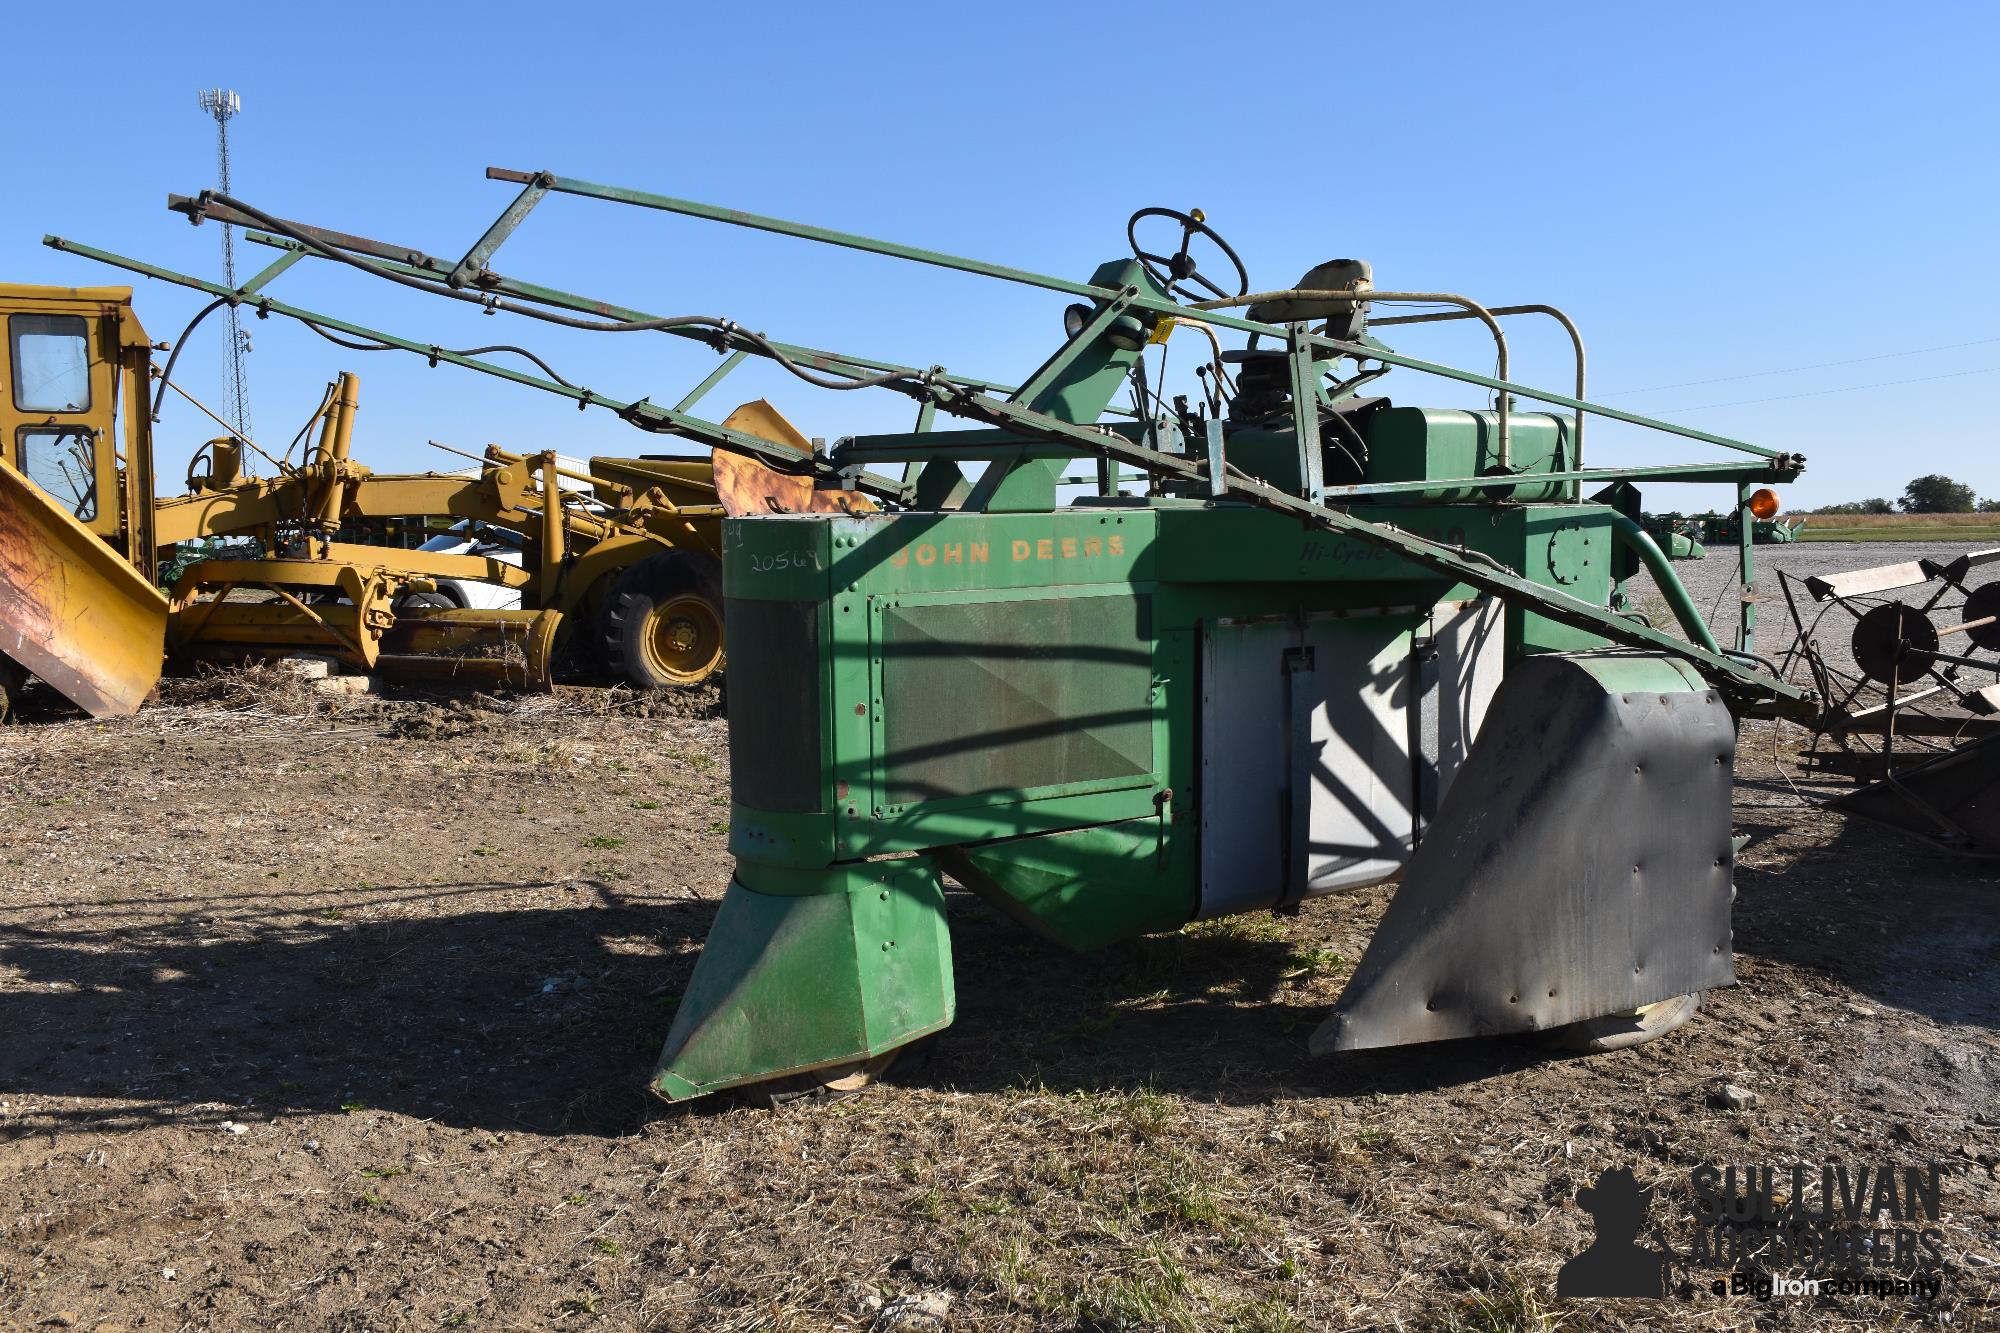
[[1615, 1264]]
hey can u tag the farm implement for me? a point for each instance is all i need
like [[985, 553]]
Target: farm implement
[[1281, 637], [1912, 706]]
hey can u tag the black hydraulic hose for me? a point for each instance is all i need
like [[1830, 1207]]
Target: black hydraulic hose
[[726, 327], [1360, 460], [354, 346], [326, 401], [1753, 658], [166, 375]]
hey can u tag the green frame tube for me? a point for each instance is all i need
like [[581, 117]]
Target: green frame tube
[[1641, 543]]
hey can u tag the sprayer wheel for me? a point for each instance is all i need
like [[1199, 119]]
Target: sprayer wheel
[[832, 1084], [1634, 1027], [662, 622]]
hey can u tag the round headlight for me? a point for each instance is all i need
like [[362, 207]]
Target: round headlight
[[1127, 333]]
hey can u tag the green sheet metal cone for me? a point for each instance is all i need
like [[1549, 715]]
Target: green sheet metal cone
[[807, 969]]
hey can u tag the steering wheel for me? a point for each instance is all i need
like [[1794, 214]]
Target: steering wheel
[[1174, 273]]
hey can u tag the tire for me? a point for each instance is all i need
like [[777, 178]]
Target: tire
[[833, 1084], [13, 677], [662, 622], [1635, 1027], [426, 601]]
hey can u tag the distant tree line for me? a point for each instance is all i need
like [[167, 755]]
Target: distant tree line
[[1933, 494]]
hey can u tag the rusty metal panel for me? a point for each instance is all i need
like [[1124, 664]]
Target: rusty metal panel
[[72, 611], [749, 486]]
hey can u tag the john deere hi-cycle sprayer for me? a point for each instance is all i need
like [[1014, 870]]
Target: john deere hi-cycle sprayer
[[1338, 640]]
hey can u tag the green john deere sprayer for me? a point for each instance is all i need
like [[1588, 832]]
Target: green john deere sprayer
[[1328, 639]]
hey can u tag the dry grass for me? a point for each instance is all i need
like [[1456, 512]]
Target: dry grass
[[1904, 520], [1900, 527]]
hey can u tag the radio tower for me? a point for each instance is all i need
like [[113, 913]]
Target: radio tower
[[222, 104]]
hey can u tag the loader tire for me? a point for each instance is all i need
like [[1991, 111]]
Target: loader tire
[[1615, 1032], [13, 677], [662, 623]]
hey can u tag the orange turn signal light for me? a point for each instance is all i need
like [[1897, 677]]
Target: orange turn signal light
[[1763, 502]]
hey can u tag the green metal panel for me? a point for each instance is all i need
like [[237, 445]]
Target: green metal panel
[[1002, 711], [775, 757], [882, 576], [870, 946], [777, 557], [1074, 385], [1014, 694], [1084, 888], [1421, 443], [1229, 543], [1566, 547], [1269, 454]]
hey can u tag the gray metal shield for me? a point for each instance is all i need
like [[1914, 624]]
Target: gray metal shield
[[1579, 866]]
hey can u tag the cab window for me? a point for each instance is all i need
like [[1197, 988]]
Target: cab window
[[62, 460], [51, 355]]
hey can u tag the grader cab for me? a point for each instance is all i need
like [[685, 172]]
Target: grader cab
[[77, 603]]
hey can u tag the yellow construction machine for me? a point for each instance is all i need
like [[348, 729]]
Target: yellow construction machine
[[618, 566], [78, 607]]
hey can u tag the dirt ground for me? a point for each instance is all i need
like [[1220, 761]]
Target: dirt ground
[[335, 1015]]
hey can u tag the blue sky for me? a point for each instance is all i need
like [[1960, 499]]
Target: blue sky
[[1712, 191]]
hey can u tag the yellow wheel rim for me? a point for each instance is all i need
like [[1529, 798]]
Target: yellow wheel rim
[[683, 641]]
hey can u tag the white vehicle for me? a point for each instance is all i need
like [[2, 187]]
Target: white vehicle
[[470, 537]]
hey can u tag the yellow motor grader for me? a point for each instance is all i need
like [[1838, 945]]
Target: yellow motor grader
[[618, 566]]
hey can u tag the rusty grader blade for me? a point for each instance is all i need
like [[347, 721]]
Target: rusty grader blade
[[473, 646], [748, 486], [72, 611]]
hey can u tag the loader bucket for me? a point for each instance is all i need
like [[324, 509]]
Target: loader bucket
[[1580, 864], [72, 610], [1952, 800]]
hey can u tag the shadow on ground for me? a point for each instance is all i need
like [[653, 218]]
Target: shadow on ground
[[532, 1019], [1882, 913], [549, 1020], [1212, 1017]]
